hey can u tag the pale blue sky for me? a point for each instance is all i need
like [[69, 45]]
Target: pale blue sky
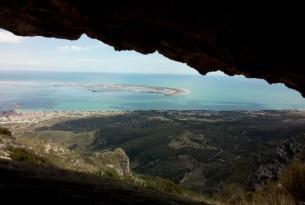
[[82, 55]]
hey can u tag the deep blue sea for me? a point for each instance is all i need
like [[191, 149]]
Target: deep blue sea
[[36, 91]]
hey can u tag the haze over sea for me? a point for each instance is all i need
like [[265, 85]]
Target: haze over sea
[[36, 91]]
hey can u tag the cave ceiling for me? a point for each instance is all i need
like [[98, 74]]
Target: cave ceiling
[[256, 41]]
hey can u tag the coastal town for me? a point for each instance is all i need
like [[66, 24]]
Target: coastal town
[[15, 117]]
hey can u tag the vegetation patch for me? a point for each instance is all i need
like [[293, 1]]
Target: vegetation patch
[[5, 131], [293, 180], [23, 155], [288, 190]]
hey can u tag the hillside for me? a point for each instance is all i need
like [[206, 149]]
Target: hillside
[[34, 177], [223, 157], [27, 183], [201, 150]]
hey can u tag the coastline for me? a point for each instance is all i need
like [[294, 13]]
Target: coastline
[[31, 117], [23, 117]]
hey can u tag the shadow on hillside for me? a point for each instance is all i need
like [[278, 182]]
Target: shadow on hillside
[[30, 184]]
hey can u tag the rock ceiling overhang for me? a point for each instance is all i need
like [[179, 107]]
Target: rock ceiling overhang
[[255, 40]]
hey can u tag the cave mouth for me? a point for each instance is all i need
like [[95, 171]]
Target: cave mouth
[[84, 123]]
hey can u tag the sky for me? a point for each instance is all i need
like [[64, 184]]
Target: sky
[[83, 55]]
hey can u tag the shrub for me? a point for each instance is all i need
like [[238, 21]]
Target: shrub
[[108, 173], [111, 173], [293, 179], [232, 194], [161, 184], [5, 131], [23, 155], [273, 194], [270, 194]]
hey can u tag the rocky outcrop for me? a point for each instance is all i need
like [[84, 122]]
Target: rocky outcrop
[[194, 179], [267, 166], [113, 163], [4, 147], [116, 161], [258, 41], [7, 143], [190, 140]]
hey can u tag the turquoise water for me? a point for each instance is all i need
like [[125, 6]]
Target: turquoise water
[[31, 91]]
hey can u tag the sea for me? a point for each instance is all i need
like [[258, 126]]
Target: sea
[[50, 91]]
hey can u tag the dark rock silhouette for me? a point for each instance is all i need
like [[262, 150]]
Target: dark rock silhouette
[[259, 41]]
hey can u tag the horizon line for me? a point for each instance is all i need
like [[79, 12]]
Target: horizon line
[[65, 71]]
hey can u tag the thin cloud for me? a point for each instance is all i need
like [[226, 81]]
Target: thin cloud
[[218, 73], [8, 37], [72, 48]]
